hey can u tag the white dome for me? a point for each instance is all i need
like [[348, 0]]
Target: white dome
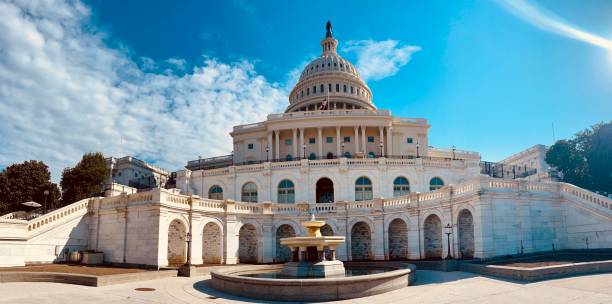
[[330, 82]]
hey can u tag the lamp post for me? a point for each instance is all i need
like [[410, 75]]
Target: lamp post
[[188, 240], [46, 192], [417, 146], [342, 150], [267, 153], [454, 148], [199, 162], [449, 231], [381, 148], [304, 155]]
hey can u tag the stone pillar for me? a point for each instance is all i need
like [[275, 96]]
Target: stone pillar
[[266, 254], [320, 141], [382, 139], [363, 140], [356, 139], [378, 237], [294, 143], [338, 142], [276, 144], [231, 239], [389, 140], [269, 146], [301, 147]]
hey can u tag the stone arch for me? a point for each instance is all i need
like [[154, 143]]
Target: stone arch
[[465, 229], [248, 244], [324, 190], [398, 239], [432, 237], [283, 253], [212, 244], [177, 245], [361, 241]]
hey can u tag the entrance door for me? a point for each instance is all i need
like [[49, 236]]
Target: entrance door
[[325, 190]]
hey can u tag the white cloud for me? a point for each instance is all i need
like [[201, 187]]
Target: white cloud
[[548, 21], [380, 59], [64, 92]]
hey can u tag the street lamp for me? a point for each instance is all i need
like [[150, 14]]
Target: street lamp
[[449, 231], [454, 148], [381, 148], [267, 153], [46, 192], [188, 240], [342, 150], [304, 154], [417, 146]]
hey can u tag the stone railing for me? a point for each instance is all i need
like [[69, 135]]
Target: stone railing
[[17, 215], [338, 112], [67, 212], [572, 192]]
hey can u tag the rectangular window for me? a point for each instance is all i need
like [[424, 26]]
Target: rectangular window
[[250, 146], [288, 142], [322, 88], [371, 139], [329, 87], [311, 140], [347, 139], [351, 90], [337, 87], [330, 140], [409, 140], [345, 88], [314, 89], [307, 91]]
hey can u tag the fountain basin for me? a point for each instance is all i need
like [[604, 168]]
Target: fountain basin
[[238, 282]]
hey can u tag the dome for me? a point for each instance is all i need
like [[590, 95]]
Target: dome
[[330, 82]]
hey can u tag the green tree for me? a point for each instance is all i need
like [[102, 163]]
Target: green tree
[[24, 182], [585, 159], [85, 179]]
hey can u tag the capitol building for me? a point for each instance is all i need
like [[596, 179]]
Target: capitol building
[[372, 176]]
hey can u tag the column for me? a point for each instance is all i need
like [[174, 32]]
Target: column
[[269, 146], [294, 143], [382, 140], [363, 140], [276, 144], [356, 139], [389, 140], [301, 147], [338, 142], [320, 141]]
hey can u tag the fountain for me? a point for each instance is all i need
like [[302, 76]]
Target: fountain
[[311, 275], [308, 253]]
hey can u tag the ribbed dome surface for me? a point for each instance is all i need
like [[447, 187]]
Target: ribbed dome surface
[[329, 63]]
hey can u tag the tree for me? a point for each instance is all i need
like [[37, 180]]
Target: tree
[[85, 179], [24, 182], [585, 160]]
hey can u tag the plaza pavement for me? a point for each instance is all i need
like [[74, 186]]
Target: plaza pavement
[[431, 287]]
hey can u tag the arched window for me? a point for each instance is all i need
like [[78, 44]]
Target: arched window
[[330, 155], [312, 156], [249, 192], [286, 192], [347, 154], [363, 189], [289, 157], [215, 192], [435, 183], [401, 186], [371, 155]]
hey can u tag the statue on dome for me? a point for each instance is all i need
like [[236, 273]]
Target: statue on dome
[[328, 27]]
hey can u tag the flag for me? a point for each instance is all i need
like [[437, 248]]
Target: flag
[[324, 104]]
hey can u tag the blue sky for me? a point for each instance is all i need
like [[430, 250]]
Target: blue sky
[[147, 79]]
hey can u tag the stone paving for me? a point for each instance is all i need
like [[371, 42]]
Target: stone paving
[[431, 287]]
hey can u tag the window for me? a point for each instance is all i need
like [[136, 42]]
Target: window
[[409, 140], [307, 91], [329, 140], [311, 141], [371, 155], [314, 89], [312, 156], [401, 187], [249, 192], [250, 146], [322, 88], [330, 155], [337, 87], [347, 154], [435, 183], [215, 192], [329, 87], [289, 157], [345, 88], [288, 142], [286, 192], [363, 189], [351, 89], [347, 139], [370, 139]]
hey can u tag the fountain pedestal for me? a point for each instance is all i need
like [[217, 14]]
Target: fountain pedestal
[[308, 258]]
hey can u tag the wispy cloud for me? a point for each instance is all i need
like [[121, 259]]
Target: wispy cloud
[[380, 59], [64, 92], [548, 21]]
